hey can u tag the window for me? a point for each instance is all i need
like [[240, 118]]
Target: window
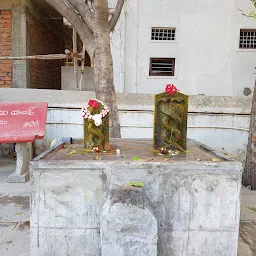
[[163, 34], [247, 38], [162, 67]]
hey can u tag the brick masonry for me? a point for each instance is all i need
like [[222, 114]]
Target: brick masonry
[[44, 74], [5, 48]]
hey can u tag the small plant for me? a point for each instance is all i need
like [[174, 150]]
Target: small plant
[[136, 158], [135, 184], [253, 209]]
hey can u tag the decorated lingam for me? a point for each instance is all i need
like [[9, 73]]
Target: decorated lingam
[[170, 122], [96, 126]]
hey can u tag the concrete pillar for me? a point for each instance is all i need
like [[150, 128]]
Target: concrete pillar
[[128, 226], [20, 46], [24, 155]]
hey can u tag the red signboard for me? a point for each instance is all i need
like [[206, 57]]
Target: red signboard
[[22, 122]]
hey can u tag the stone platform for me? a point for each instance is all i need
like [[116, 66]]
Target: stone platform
[[194, 197]]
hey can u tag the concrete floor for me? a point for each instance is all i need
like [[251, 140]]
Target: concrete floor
[[14, 214], [247, 239], [14, 217]]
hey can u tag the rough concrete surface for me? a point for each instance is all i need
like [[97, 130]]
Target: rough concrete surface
[[14, 217], [247, 239], [196, 203], [128, 226]]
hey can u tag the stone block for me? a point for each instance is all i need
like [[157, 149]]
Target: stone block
[[65, 200], [172, 243], [62, 241], [195, 203], [212, 243]]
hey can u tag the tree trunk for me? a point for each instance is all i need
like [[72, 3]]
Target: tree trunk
[[249, 175], [103, 65]]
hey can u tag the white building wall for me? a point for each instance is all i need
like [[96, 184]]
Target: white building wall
[[243, 61], [208, 58]]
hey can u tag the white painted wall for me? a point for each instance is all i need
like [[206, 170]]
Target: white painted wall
[[68, 78], [208, 59]]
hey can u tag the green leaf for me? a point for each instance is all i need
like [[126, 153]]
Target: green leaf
[[254, 16], [254, 4], [136, 158], [251, 13], [72, 152], [135, 184], [252, 209]]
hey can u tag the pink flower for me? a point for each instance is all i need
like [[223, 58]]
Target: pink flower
[[93, 103], [171, 89]]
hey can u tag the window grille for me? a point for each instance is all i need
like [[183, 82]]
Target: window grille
[[162, 67], [163, 34], [247, 38]]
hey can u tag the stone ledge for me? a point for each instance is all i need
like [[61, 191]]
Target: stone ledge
[[15, 178], [127, 101]]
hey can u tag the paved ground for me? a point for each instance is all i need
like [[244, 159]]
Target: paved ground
[[14, 217], [14, 214], [247, 239]]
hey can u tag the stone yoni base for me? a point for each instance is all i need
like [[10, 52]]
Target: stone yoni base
[[80, 204]]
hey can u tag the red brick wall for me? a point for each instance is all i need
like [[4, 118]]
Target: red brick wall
[[44, 74], [5, 48]]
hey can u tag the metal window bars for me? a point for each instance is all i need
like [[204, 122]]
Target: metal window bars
[[162, 67], [247, 39], [163, 34]]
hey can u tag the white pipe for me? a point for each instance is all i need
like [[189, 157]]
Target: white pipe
[[137, 46], [124, 49]]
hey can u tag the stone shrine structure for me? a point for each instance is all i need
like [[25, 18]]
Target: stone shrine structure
[[189, 203]]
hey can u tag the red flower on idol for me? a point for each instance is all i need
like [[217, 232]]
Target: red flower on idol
[[171, 89], [93, 103]]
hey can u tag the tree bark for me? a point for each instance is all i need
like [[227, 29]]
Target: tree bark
[[116, 14], [103, 68], [249, 175], [67, 10], [93, 29]]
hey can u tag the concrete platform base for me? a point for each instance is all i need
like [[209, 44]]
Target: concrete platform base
[[16, 178], [14, 213], [196, 203]]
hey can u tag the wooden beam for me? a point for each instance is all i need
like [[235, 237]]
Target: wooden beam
[[42, 57]]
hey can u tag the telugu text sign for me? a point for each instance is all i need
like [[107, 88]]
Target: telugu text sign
[[22, 122]]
